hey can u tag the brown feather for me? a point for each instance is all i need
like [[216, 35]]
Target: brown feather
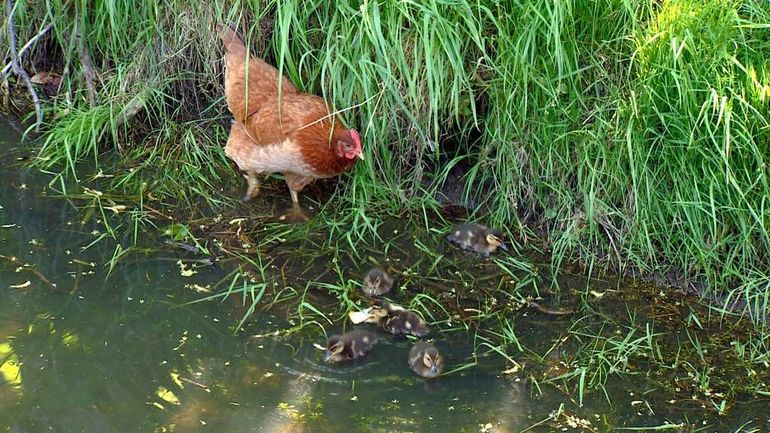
[[264, 118], [248, 79]]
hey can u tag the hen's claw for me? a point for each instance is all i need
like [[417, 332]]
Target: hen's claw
[[295, 215]]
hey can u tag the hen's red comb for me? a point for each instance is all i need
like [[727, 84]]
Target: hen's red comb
[[356, 138]]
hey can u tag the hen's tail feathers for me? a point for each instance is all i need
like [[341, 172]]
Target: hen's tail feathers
[[232, 40]]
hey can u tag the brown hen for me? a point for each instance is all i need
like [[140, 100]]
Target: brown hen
[[285, 132]]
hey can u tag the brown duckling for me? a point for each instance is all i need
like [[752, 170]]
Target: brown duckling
[[477, 237], [392, 319], [398, 321], [348, 346], [377, 282], [425, 360]]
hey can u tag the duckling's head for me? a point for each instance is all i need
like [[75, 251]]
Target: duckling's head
[[372, 279], [385, 306], [373, 283], [377, 313], [494, 238], [334, 348], [432, 360], [377, 282]]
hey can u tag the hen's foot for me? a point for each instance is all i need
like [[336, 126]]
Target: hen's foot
[[295, 215]]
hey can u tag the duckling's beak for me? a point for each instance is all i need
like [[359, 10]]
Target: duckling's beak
[[504, 247], [434, 369], [327, 355]]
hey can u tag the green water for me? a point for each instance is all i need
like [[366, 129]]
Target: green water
[[121, 351]]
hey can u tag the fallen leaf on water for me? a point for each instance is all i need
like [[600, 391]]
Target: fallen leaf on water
[[164, 394], [359, 316], [175, 379], [512, 370], [198, 288], [184, 271], [21, 286]]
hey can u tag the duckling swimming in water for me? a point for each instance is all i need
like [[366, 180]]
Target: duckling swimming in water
[[405, 322], [377, 282], [398, 321], [349, 346], [392, 319], [477, 237], [425, 360]]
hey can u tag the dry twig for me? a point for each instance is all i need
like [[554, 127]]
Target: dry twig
[[26, 47], [17, 69], [88, 67], [29, 268]]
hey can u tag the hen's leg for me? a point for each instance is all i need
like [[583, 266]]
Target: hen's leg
[[294, 198], [252, 189]]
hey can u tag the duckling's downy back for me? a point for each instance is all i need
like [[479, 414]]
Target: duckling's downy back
[[348, 346]]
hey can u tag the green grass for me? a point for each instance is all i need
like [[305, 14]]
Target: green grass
[[627, 135]]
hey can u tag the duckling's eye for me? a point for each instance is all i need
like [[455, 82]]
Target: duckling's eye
[[426, 360]]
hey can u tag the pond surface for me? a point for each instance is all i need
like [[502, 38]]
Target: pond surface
[[86, 348]]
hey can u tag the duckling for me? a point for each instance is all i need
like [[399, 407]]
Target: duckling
[[425, 360], [377, 282], [477, 237], [349, 346], [398, 321], [391, 318]]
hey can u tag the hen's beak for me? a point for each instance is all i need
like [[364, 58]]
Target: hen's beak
[[361, 156]]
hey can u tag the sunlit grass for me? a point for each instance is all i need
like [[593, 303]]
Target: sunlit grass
[[628, 135]]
